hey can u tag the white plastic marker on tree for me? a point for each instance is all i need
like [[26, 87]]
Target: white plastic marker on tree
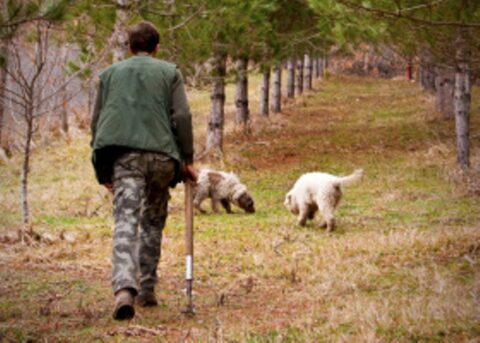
[[190, 310]]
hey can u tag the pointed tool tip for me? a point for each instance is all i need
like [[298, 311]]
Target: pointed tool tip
[[189, 311]]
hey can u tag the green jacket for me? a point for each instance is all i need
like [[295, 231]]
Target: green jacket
[[141, 104]]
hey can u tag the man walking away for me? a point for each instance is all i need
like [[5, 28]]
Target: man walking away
[[142, 144]]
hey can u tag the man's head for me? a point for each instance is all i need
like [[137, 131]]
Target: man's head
[[143, 37]]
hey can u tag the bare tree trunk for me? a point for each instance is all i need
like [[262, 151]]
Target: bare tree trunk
[[264, 96], [409, 70], [291, 78], [308, 73], [299, 77], [315, 67], [120, 39], [277, 89], [3, 75], [91, 93], [427, 72], [444, 85], [427, 78], [325, 64], [241, 93], [366, 60], [462, 101], [91, 85], [3, 81], [321, 71], [3, 84], [64, 110], [24, 173], [64, 94], [217, 111]]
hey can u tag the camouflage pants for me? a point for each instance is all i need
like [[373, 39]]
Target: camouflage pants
[[141, 193]]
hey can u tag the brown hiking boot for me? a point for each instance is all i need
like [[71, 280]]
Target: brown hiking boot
[[124, 305], [147, 298]]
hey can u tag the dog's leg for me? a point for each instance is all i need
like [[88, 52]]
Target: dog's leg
[[215, 203], [331, 224], [302, 214], [336, 196], [226, 205], [201, 210], [197, 203], [323, 223], [312, 209], [328, 216], [326, 205]]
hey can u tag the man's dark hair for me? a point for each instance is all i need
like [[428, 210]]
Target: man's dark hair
[[143, 37]]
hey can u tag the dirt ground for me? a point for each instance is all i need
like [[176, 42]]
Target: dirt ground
[[403, 265]]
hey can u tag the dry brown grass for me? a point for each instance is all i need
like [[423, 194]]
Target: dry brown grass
[[403, 265]]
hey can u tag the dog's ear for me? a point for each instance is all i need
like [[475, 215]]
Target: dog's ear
[[291, 203]]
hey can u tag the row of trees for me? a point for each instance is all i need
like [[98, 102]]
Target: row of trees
[[199, 35], [442, 36], [48, 45], [300, 74], [215, 41], [215, 35]]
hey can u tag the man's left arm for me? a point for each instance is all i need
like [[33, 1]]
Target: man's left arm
[[93, 125]]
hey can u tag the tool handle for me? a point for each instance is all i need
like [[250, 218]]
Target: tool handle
[[189, 229], [189, 244]]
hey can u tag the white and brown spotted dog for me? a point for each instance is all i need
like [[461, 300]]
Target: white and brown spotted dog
[[318, 191], [223, 188]]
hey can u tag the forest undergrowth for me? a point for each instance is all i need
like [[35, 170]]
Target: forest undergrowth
[[403, 264]]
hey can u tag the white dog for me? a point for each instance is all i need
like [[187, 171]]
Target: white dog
[[318, 191], [223, 188]]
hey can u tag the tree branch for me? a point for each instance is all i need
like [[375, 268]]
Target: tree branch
[[398, 15], [419, 7], [15, 23], [187, 20]]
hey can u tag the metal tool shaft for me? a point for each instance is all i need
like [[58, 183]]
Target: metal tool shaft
[[189, 245]]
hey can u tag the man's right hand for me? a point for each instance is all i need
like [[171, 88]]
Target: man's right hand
[[109, 187], [190, 173]]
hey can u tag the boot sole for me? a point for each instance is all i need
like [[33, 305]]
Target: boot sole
[[147, 303], [124, 312]]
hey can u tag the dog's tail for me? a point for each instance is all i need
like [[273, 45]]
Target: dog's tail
[[352, 178]]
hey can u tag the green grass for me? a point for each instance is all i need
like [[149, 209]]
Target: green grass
[[402, 265]]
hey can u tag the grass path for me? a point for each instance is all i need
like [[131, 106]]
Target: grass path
[[403, 265]]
